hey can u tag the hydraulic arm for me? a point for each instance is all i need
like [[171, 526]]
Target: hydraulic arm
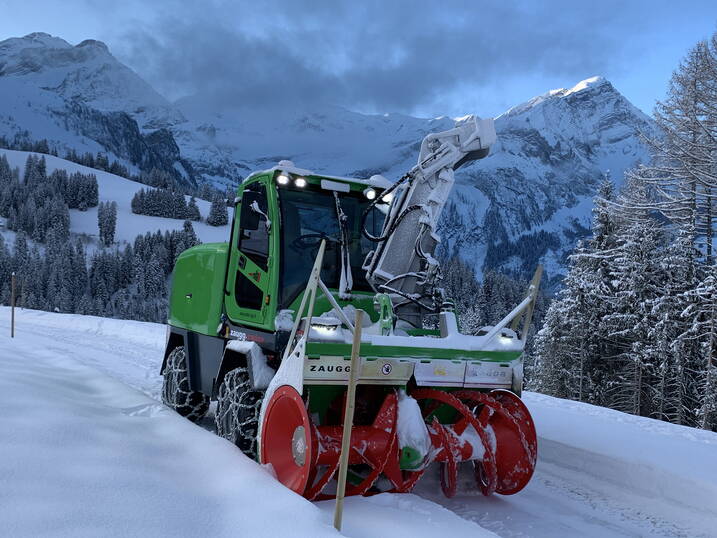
[[403, 262]]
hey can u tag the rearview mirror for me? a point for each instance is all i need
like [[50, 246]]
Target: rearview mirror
[[249, 217]]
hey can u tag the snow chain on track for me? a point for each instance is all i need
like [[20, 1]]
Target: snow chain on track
[[175, 388], [238, 408]]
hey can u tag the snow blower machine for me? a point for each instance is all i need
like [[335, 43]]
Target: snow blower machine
[[264, 324]]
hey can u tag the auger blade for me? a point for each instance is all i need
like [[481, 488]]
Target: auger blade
[[516, 441], [449, 468], [507, 419], [372, 446], [286, 438], [495, 431]]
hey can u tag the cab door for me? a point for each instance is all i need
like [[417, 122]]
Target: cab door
[[248, 289]]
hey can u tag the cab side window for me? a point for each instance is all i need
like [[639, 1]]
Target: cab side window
[[254, 226]]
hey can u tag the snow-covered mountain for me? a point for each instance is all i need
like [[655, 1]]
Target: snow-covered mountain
[[529, 200], [80, 97]]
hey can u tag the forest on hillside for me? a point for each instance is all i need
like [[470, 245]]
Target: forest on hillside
[[54, 270], [634, 327]]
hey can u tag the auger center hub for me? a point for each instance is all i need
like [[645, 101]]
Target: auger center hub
[[298, 446]]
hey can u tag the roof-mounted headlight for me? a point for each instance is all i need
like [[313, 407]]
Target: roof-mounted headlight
[[282, 179], [369, 193]]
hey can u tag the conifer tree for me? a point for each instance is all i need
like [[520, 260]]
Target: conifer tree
[[218, 215], [193, 210], [107, 222]]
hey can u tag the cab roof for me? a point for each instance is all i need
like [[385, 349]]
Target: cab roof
[[376, 181]]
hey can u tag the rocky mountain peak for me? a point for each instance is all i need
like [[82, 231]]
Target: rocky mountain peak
[[87, 73], [590, 92], [93, 43]]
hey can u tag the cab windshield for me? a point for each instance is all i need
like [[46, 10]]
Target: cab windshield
[[308, 216]]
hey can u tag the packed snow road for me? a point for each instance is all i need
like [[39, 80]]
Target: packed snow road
[[88, 450], [604, 473]]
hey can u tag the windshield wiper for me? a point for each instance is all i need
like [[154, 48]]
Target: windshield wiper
[[346, 281]]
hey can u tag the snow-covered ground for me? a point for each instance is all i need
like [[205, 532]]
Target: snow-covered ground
[[120, 190], [87, 450]]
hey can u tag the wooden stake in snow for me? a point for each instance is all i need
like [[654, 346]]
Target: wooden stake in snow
[[348, 421], [12, 306]]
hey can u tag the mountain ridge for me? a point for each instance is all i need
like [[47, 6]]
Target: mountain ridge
[[531, 196]]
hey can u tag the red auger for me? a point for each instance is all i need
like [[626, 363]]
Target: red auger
[[494, 430]]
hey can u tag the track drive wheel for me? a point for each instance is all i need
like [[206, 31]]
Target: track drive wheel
[[286, 438], [238, 407], [175, 388]]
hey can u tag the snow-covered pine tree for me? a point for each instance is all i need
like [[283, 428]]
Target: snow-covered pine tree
[[707, 381], [101, 221], [41, 170], [190, 237], [111, 225], [5, 272], [684, 151], [572, 356], [179, 206], [5, 172], [461, 286], [137, 203], [670, 337], [29, 173], [21, 252], [107, 222], [684, 173], [5, 294], [218, 215], [193, 210]]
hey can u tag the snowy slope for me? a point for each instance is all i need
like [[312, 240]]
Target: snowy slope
[[120, 190], [82, 395], [87, 455]]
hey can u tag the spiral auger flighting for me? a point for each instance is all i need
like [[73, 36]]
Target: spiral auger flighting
[[494, 430]]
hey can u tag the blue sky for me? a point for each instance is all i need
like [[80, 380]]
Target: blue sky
[[416, 57]]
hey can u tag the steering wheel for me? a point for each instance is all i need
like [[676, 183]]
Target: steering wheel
[[304, 241]]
